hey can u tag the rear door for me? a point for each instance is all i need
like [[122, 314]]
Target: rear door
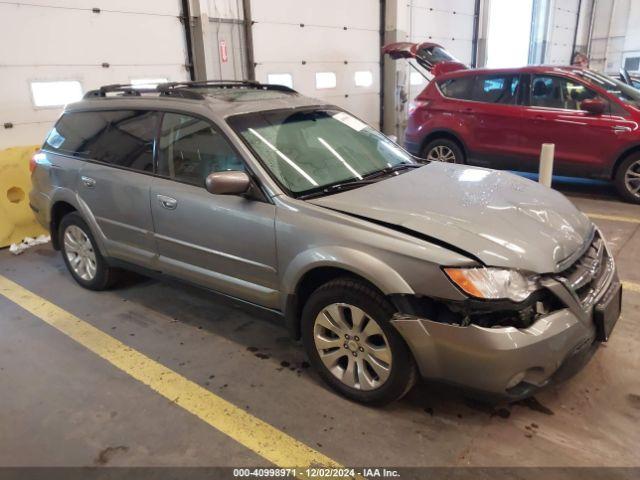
[[585, 143], [115, 178], [455, 112], [496, 137], [224, 242]]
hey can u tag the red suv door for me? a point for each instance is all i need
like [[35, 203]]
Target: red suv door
[[496, 137], [585, 143]]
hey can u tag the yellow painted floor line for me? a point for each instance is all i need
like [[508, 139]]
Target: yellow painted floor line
[[634, 287], [615, 218], [267, 441]]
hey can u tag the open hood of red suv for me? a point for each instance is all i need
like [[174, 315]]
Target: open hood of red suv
[[430, 56]]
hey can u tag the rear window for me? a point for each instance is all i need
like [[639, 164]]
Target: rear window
[[459, 87], [496, 89], [123, 138], [435, 54]]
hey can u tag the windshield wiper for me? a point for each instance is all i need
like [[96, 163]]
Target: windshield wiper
[[337, 188], [368, 179], [389, 170]]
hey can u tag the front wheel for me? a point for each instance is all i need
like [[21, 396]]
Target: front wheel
[[350, 341], [443, 150], [627, 179]]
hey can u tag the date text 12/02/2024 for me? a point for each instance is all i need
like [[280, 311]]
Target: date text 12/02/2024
[[315, 472]]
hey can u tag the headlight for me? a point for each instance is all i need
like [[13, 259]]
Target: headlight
[[493, 283]]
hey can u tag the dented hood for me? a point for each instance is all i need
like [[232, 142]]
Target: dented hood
[[498, 217]]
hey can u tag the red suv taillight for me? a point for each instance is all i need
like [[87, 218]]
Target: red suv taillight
[[415, 104]]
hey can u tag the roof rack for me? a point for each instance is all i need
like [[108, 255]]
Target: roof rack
[[182, 89], [127, 90]]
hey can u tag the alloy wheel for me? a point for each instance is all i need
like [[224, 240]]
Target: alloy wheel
[[632, 178], [80, 253], [441, 153], [352, 346]]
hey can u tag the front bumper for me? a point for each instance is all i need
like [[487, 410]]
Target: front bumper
[[505, 362]]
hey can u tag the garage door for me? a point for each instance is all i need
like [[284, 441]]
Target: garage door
[[447, 22], [562, 34], [90, 44], [334, 54]]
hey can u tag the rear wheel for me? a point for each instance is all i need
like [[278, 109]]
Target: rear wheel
[[443, 150], [81, 254], [350, 341], [627, 178]]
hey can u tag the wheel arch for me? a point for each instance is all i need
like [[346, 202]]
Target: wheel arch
[[449, 135], [299, 284], [621, 158], [59, 210]]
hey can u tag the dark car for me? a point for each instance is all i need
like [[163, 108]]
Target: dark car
[[626, 77], [500, 118]]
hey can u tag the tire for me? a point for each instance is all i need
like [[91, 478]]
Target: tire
[[99, 275], [353, 297], [626, 180], [442, 148]]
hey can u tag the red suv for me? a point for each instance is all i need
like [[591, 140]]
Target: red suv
[[499, 118]]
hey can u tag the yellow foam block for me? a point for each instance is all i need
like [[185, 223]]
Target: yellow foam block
[[16, 218]]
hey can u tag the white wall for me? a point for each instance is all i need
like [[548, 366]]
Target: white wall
[[562, 28], [302, 38], [446, 22], [47, 40], [615, 34]]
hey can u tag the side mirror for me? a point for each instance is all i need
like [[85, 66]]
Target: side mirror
[[595, 106], [228, 183]]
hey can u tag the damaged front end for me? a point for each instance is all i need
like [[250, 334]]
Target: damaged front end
[[510, 349], [483, 313]]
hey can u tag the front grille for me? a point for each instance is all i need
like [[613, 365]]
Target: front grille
[[587, 276]]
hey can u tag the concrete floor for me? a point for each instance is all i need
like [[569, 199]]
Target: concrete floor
[[62, 405]]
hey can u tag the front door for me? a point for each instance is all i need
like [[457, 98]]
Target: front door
[[224, 242], [584, 142]]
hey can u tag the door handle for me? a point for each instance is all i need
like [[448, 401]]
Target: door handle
[[620, 129], [88, 181], [167, 202]]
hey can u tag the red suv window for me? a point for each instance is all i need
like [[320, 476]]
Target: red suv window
[[496, 89], [459, 87], [558, 92]]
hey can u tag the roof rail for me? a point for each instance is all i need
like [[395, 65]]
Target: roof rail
[[128, 90], [182, 89]]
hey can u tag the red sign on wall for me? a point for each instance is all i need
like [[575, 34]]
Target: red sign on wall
[[223, 51]]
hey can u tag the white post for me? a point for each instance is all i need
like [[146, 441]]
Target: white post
[[546, 163]]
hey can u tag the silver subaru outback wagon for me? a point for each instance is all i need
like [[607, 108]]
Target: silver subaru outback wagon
[[386, 268]]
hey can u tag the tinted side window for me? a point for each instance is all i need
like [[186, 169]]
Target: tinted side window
[[121, 137], [460, 88], [496, 89], [190, 149], [558, 92]]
